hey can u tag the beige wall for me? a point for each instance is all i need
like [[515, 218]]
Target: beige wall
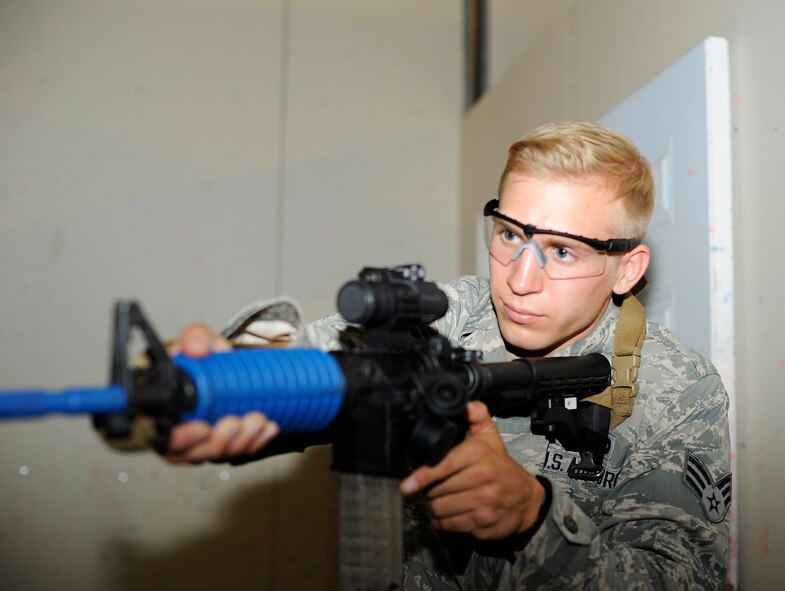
[[512, 27], [593, 55], [198, 155]]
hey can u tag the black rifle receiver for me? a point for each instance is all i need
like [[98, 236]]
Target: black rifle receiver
[[407, 386]]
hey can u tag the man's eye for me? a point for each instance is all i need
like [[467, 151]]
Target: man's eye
[[563, 254], [509, 235]]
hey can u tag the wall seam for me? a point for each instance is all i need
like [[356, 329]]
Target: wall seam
[[283, 97]]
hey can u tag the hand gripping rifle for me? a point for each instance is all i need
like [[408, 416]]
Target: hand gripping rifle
[[394, 398]]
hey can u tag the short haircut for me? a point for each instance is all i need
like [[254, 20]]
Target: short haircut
[[588, 152]]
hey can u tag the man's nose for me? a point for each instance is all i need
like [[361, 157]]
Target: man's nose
[[526, 270]]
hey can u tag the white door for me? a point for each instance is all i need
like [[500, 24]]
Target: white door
[[681, 122]]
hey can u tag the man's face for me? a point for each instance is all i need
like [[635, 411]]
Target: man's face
[[537, 313]]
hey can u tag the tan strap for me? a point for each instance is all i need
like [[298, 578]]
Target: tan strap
[[626, 360]]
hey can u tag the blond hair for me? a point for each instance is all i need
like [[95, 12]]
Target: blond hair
[[579, 151]]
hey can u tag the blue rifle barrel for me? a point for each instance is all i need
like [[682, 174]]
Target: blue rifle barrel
[[20, 404], [301, 389]]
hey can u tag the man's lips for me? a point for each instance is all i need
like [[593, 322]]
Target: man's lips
[[520, 315]]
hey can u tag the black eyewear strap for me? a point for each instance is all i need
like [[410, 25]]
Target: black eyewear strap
[[612, 245]]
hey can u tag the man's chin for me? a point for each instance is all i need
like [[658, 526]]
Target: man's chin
[[525, 340], [527, 343]]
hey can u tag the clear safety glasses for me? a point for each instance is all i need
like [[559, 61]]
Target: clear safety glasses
[[560, 254]]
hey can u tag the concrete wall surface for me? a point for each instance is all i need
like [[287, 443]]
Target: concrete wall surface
[[199, 155]]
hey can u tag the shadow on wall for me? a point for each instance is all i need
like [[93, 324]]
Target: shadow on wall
[[281, 534]]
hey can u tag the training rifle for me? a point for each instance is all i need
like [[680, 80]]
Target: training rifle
[[393, 398]]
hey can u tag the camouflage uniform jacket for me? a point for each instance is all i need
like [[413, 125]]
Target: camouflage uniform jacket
[[657, 519]]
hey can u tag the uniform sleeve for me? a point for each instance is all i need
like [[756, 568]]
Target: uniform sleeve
[[664, 526], [280, 321]]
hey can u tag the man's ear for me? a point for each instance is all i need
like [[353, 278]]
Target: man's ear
[[633, 265]]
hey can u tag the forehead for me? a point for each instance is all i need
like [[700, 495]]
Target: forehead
[[584, 207]]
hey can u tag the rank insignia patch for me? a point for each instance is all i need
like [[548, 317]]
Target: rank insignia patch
[[713, 497]]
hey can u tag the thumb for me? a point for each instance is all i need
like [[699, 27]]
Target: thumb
[[481, 424], [480, 421]]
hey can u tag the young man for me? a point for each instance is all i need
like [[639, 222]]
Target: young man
[[564, 242]]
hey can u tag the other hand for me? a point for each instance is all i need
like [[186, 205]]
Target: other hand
[[197, 441]]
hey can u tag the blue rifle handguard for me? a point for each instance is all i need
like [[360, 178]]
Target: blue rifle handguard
[[300, 389]]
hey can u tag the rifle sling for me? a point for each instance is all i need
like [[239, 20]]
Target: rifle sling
[[626, 360]]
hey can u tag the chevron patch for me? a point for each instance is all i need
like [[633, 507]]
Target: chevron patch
[[714, 497]]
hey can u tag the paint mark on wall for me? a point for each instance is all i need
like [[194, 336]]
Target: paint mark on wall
[[763, 543]]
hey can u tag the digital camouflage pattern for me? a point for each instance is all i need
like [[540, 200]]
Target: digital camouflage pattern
[[657, 519]]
